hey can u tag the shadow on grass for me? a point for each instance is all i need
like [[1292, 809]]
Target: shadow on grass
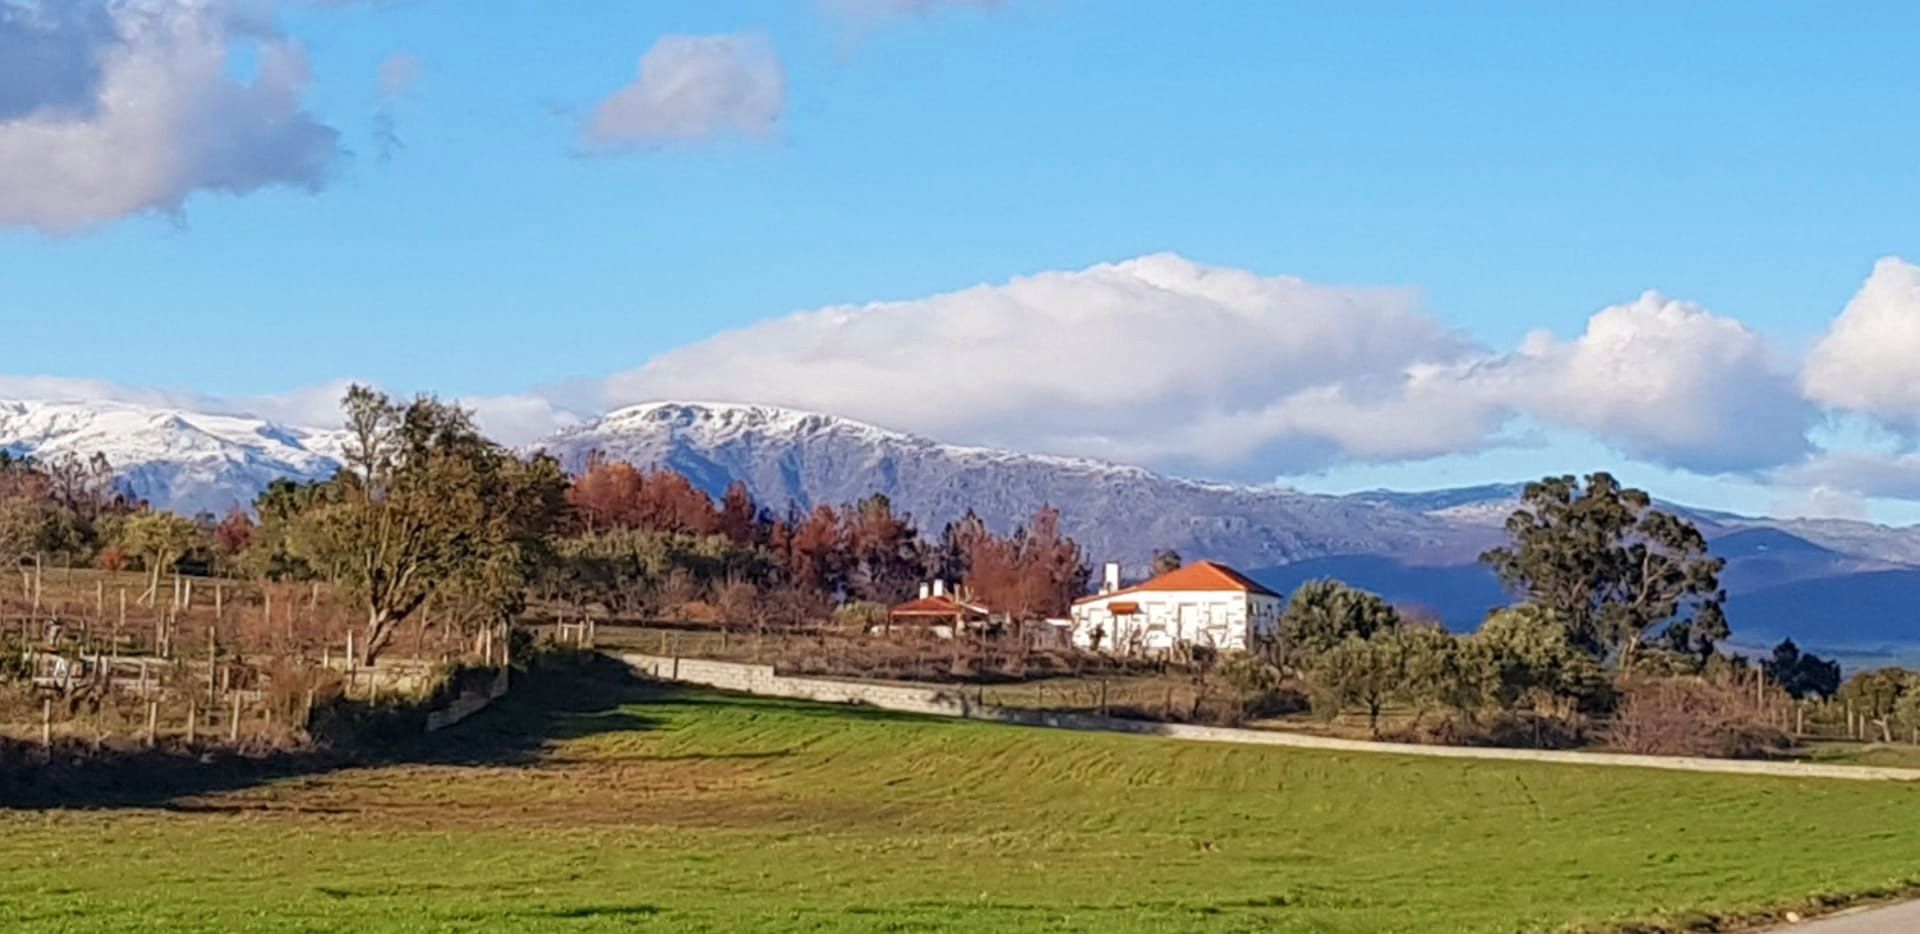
[[549, 705]]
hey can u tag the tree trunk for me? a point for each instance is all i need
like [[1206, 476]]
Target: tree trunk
[[379, 633]]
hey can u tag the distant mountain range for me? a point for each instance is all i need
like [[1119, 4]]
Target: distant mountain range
[[1846, 587], [190, 462]]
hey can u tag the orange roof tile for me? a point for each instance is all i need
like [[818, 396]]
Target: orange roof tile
[[1200, 575]]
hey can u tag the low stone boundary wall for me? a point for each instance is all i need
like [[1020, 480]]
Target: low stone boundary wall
[[954, 702], [468, 703]]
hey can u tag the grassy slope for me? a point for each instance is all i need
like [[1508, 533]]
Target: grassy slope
[[687, 811]]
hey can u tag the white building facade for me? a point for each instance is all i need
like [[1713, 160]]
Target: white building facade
[[1203, 604]]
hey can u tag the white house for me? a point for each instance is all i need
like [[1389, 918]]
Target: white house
[[1203, 604]]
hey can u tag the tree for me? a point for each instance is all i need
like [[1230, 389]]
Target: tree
[[1527, 659], [1366, 673], [1801, 674], [1323, 614], [1165, 561], [161, 539], [1436, 671], [1034, 573], [883, 551], [1613, 569], [432, 509]]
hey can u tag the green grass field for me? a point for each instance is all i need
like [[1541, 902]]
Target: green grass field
[[600, 805]]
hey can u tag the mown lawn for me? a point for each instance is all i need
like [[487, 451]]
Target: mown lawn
[[602, 806]]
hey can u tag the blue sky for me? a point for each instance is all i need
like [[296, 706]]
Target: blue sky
[[1517, 166]]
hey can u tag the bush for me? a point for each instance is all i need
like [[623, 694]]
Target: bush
[[860, 616], [1504, 729], [1692, 716]]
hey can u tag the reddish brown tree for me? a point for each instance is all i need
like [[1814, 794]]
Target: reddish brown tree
[[233, 534], [739, 518]]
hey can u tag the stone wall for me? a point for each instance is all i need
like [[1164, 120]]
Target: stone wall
[[956, 702], [468, 703]]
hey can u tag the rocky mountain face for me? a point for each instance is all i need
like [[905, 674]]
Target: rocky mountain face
[[1118, 513], [1853, 587], [1848, 587]]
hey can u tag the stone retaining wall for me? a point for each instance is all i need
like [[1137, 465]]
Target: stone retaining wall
[[468, 703], [954, 702]]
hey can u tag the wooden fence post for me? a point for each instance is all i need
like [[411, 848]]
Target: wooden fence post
[[46, 723], [193, 719], [233, 723], [153, 721]]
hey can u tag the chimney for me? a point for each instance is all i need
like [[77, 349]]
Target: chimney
[[1110, 577], [926, 590], [939, 587]]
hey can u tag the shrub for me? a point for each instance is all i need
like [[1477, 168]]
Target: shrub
[[1692, 716], [860, 616]]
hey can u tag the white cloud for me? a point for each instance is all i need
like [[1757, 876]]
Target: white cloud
[[129, 107], [1171, 363], [518, 419], [1887, 474], [693, 88], [1156, 359], [1869, 360], [1664, 381], [316, 406]]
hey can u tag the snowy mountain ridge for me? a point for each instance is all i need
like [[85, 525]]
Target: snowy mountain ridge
[[190, 462]]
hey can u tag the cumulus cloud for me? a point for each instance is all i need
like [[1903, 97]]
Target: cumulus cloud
[[137, 108], [693, 88], [1149, 360], [1885, 474], [1172, 363], [50, 56], [1869, 360], [1664, 381]]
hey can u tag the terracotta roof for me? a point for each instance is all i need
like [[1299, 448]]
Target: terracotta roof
[[1200, 575], [1123, 608], [937, 606]]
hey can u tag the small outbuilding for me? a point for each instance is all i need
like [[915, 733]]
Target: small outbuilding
[[940, 613]]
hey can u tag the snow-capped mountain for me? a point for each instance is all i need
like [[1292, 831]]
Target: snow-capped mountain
[[1123, 513], [1832, 584], [189, 462]]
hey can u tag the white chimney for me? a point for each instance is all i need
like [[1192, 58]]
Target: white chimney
[[939, 588], [926, 590], [1110, 577]]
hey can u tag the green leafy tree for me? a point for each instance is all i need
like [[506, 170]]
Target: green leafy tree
[[428, 509], [1437, 671], [1802, 674], [1614, 570], [1364, 673], [24, 529], [161, 539], [1526, 658], [1876, 693], [1323, 614]]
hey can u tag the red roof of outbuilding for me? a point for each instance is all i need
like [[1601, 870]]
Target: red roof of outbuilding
[[1200, 575]]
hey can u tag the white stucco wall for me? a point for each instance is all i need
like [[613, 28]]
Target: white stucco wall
[[1221, 619]]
